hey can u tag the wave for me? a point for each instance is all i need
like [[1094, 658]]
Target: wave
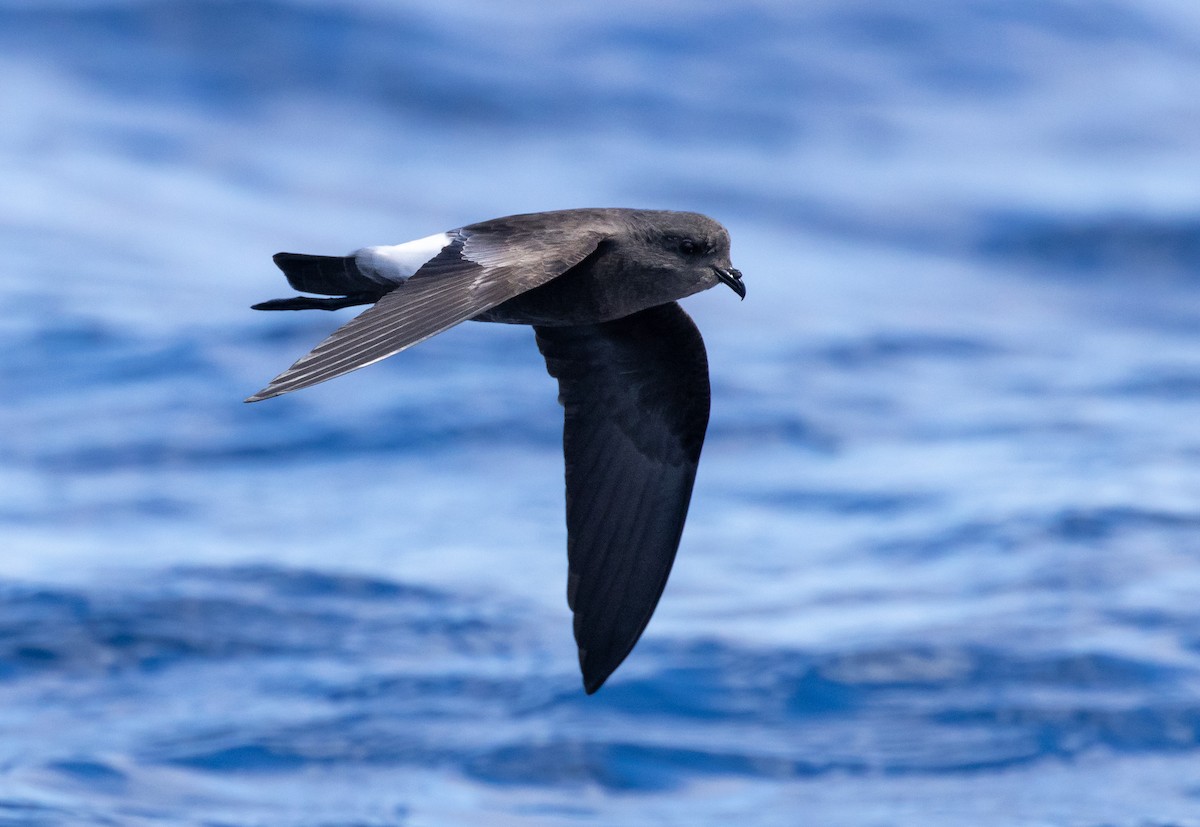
[[371, 671]]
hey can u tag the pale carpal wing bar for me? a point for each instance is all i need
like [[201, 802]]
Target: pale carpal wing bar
[[475, 272]]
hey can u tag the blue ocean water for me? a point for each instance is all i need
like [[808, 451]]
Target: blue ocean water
[[943, 561]]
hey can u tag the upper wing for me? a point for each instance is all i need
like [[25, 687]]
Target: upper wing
[[482, 266], [636, 398]]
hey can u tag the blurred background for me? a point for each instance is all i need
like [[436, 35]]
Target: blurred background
[[943, 562]]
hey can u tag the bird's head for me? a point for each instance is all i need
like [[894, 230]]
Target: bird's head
[[692, 250]]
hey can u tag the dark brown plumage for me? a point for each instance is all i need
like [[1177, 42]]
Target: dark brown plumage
[[599, 286]]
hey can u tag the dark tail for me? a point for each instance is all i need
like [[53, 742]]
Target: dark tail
[[309, 303], [336, 276], [325, 275]]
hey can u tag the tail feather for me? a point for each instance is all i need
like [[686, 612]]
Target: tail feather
[[326, 275], [309, 303]]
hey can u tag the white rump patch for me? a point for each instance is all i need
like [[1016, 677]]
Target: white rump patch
[[399, 261]]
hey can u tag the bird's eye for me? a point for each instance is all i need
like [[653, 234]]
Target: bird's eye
[[688, 247]]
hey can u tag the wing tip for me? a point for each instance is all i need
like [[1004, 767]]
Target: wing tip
[[593, 677], [265, 393]]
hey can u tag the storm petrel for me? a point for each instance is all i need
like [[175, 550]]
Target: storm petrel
[[599, 287]]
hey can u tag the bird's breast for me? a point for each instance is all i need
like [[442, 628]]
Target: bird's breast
[[589, 293]]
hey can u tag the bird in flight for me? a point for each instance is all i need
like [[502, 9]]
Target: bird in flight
[[599, 287]]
